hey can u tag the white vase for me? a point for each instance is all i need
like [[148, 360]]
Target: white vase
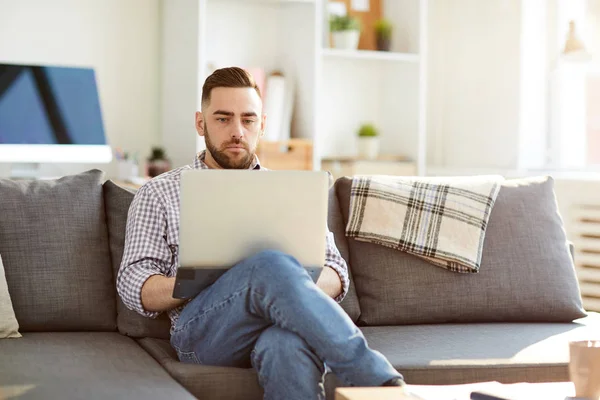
[[368, 147], [346, 40]]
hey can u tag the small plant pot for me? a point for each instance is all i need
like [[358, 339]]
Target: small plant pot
[[368, 147], [346, 40], [383, 44]]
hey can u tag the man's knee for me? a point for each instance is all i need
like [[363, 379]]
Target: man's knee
[[273, 262], [281, 342]]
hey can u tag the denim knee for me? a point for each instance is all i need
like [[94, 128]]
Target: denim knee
[[274, 262], [280, 342]]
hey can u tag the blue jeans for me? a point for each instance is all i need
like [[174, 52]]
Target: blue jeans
[[267, 313]]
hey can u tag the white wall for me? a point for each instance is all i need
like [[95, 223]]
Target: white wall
[[474, 75], [179, 78], [120, 39]]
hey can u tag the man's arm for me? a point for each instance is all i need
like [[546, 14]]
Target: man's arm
[[329, 281], [157, 294], [334, 279], [142, 281]]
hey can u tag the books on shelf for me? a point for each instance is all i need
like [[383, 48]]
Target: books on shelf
[[278, 106]]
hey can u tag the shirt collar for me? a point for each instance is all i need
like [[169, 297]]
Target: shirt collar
[[200, 164]]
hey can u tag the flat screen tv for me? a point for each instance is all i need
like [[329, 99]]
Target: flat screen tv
[[50, 114]]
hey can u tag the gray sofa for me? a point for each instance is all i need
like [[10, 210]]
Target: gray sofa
[[61, 242]]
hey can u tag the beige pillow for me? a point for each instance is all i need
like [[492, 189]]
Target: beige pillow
[[9, 327]]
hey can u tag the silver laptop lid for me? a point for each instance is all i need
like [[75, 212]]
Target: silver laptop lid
[[228, 215]]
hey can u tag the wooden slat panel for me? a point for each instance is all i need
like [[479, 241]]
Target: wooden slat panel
[[590, 289], [582, 244], [591, 304], [588, 274], [580, 229], [587, 259], [580, 213]]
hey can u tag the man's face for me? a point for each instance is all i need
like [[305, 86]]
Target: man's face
[[231, 124]]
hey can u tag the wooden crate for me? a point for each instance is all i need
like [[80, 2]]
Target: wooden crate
[[292, 154]]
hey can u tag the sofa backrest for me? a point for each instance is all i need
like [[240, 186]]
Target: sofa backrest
[[335, 222], [117, 201], [526, 271], [54, 245]]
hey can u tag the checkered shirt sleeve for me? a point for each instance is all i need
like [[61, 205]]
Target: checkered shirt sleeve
[[146, 251], [334, 260]]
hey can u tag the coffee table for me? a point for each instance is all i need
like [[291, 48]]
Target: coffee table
[[516, 391]]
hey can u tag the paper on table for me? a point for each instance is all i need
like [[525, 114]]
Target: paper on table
[[515, 391]]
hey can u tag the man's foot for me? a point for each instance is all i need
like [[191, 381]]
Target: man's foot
[[394, 382]]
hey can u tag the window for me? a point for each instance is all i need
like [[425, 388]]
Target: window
[[574, 88]]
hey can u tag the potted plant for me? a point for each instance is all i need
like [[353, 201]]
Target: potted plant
[[383, 34], [368, 142], [157, 163], [345, 31]]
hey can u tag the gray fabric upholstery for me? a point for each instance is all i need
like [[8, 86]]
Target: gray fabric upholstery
[[463, 353], [83, 365], [526, 275], [336, 226], [54, 245], [218, 383], [215, 383], [117, 200]]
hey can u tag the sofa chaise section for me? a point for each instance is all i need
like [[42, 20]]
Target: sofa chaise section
[[83, 365], [55, 251], [444, 354]]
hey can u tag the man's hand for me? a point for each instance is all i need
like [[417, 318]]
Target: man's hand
[[329, 281], [157, 294]]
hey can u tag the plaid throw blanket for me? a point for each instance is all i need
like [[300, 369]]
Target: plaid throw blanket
[[442, 220]]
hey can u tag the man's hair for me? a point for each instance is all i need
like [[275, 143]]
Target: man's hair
[[230, 77]]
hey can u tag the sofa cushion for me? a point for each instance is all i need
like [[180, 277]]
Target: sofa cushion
[[209, 382], [445, 354], [9, 327], [83, 365], [54, 244], [117, 200], [335, 222], [526, 274]]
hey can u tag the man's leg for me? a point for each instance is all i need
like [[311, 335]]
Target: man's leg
[[222, 324], [287, 367]]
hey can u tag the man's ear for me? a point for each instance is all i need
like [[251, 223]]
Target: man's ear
[[199, 123]]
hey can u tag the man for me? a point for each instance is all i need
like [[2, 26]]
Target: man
[[265, 312]]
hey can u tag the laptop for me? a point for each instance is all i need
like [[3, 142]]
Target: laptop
[[229, 215]]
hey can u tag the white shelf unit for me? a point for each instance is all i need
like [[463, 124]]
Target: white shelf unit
[[336, 90], [370, 55], [384, 88]]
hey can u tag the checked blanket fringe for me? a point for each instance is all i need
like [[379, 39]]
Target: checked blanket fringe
[[441, 220]]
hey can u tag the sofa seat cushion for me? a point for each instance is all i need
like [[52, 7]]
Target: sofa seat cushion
[[462, 353], [208, 382], [82, 365], [205, 381]]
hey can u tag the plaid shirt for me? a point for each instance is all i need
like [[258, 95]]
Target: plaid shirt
[[152, 239]]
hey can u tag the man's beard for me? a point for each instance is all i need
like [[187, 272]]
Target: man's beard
[[221, 157]]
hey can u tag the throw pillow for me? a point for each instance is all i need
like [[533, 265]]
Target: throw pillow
[[526, 274], [54, 245], [9, 327]]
